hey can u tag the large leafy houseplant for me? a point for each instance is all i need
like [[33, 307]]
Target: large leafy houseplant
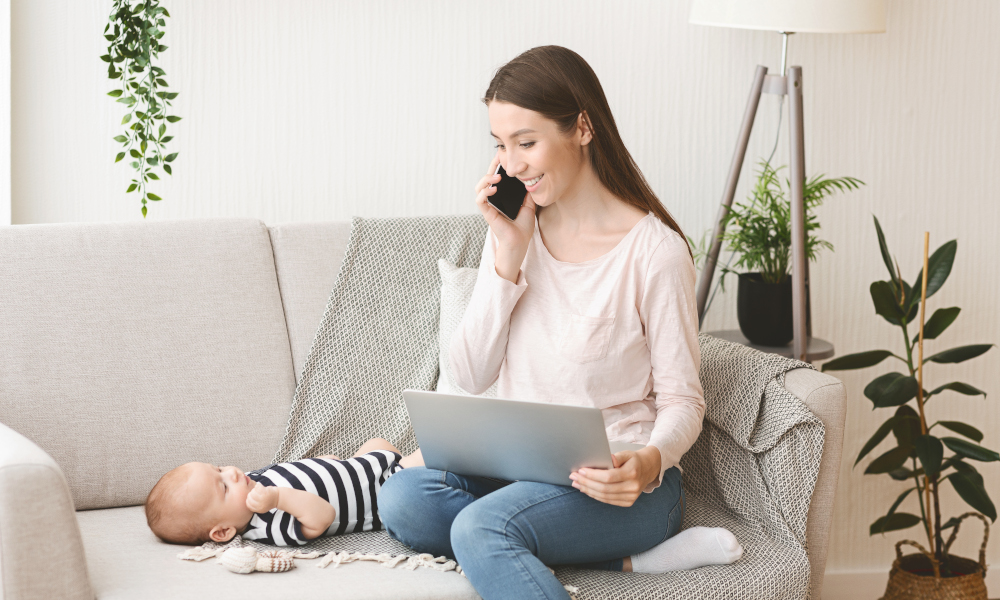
[[919, 454], [760, 228], [133, 33]]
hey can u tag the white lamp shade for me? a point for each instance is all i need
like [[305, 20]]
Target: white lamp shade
[[806, 16]]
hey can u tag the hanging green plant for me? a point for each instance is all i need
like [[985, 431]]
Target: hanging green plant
[[134, 33]]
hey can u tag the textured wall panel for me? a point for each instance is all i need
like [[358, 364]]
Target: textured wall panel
[[316, 111]]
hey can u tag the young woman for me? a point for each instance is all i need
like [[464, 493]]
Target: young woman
[[587, 298]]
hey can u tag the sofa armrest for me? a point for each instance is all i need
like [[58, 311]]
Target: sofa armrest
[[41, 550], [827, 399]]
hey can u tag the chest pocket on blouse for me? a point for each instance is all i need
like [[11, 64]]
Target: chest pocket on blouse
[[587, 338]]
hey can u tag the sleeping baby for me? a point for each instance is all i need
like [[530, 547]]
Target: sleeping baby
[[286, 504]]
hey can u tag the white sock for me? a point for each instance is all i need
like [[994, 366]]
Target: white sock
[[690, 549]]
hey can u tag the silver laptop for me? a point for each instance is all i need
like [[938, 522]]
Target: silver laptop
[[509, 439]]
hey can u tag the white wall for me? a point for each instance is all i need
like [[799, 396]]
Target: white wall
[[312, 110], [5, 213]]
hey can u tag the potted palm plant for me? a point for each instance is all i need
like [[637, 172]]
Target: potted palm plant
[[759, 229], [918, 460]]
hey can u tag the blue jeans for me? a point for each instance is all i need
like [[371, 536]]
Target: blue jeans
[[503, 534]]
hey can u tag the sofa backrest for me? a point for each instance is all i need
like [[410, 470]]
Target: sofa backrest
[[307, 257], [127, 349]]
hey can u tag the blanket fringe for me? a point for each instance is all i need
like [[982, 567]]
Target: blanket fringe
[[200, 553], [410, 563], [440, 563]]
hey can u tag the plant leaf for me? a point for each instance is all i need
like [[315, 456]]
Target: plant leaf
[[971, 489], [902, 474], [859, 360], [120, 156], [120, 138], [970, 450], [131, 188], [939, 321], [152, 175], [153, 196], [963, 429], [890, 461], [930, 452], [886, 258], [876, 439], [895, 505], [171, 157], [134, 153], [906, 426], [960, 465], [167, 169], [959, 354], [939, 267], [115, 93], [961, 388], [884, 300], [891, 389], [894, 523], [173, 119]]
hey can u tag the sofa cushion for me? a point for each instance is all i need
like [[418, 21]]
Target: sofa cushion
[[126, 562], [457, 284], [307, 257], [130, 348]]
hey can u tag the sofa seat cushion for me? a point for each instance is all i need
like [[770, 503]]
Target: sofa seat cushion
[[126, 561]]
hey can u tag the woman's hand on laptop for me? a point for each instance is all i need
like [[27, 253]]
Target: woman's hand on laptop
[[620, 486]]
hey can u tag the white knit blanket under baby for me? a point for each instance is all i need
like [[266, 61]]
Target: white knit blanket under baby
[[752, 471]]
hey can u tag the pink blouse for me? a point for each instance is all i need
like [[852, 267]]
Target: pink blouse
[[618, 333]]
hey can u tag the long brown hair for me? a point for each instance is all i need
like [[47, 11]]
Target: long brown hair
[[557, 83]]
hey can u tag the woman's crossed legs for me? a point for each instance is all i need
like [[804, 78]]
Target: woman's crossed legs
[[504, 535]]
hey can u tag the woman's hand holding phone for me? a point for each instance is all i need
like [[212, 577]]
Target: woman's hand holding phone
[[513, 236]]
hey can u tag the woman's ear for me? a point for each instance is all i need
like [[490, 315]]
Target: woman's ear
[[585, 128], [222, 534]]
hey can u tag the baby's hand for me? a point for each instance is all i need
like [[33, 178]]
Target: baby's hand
[[262, 498]]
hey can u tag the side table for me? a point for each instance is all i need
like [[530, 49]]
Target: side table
[[816, 350]]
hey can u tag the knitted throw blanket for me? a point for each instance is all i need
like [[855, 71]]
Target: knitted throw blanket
[[752, 470], [378, 335]]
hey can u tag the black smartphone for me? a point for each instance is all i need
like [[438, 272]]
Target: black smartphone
[[509, 195]]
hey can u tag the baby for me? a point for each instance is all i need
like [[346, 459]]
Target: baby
[[287, 504]]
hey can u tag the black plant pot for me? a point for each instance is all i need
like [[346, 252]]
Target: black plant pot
[[764, 310]]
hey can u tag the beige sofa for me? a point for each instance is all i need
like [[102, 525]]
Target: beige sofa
[[127, 349]]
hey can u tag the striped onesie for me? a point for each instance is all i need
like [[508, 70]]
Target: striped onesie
[[350, 485]]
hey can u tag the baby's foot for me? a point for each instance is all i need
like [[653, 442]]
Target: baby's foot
[[690, 549]]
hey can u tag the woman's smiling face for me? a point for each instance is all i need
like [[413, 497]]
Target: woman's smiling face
[[532, 147]]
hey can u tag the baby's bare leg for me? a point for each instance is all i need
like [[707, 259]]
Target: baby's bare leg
[[375, 444], [413, 460]]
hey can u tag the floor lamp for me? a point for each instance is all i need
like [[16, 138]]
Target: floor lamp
[[785, 17]]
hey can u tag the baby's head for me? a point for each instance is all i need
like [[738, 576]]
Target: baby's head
[[199, 502]]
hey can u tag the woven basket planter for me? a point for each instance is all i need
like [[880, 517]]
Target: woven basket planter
[[918, 576]]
